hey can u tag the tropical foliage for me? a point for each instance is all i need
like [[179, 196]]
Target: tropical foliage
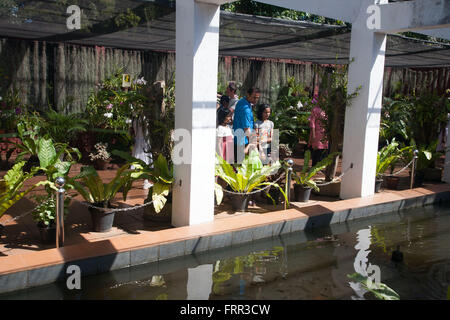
[[45, 211], [305, 177], [379, 290], [291, 112], [113, 107], [94, 190], [11, 186], [334, 99], [249, 176]]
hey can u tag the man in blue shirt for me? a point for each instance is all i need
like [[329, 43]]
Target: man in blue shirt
[[243, 123]]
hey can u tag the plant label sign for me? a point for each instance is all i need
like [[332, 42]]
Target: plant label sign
[[126, 80]]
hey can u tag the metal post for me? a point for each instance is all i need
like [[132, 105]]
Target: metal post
[[413, 170], [290, 163], [60, 212]]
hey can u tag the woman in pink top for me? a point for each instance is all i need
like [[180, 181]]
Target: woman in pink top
[[317, 136]]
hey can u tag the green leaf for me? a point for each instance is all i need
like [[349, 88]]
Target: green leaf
[[46, 152], [159, 193]]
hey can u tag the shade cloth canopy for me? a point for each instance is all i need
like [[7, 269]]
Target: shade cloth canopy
[[150, 25]]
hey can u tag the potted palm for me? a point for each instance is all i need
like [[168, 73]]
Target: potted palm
[[385, 157], [99, 194], [304, 182], [242, 179]]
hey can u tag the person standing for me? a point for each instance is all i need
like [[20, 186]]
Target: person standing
[[231, 93], [243, 124], [264, 131], [317, 136], [224, 136]]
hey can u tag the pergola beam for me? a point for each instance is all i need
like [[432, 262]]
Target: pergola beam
[[437, 33], [414, 15], [345, 10]]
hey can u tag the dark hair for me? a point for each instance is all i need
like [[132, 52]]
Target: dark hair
[[232, 86], [253, 89], [260, 110], [222, 113], [223, 99]]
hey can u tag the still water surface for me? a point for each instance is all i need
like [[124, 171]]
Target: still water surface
[[302, 265]]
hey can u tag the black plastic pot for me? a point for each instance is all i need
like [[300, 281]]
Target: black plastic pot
[[275, 194], [378, 183], [392, 182], [47, 233], [102, 221], [301, 194], [239, 202]]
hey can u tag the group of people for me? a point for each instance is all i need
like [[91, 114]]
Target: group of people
[[238, 133]]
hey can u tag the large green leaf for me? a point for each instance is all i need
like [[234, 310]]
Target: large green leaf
[[159, 193], [46, 152]]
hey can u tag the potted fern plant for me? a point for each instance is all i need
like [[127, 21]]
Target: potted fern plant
[[304, 182], [249, 176]]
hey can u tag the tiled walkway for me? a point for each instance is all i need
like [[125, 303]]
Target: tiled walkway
[[22, 235]]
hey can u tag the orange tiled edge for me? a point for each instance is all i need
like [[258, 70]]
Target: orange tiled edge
[[28, 261]]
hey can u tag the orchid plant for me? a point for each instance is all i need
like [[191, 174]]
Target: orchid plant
[[111, 106]]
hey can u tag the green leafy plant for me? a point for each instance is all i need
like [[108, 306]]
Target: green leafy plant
[[396, 115], [426, 156], [162, 178], [292, 121], [334, 99], [248, 176], [386, 157], [113, 107], [63, 128], [380, 290], [45, 211], [160, 173], [31, 142], [305, 177], [94, 190], [11, 186]]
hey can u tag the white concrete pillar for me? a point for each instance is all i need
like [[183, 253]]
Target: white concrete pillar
[[362, 117], [197, 45], [446, 173]]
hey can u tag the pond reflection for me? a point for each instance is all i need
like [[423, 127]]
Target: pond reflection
[[302, 265]]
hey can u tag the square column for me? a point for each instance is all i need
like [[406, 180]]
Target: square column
[[197, 46], [362, 117]]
